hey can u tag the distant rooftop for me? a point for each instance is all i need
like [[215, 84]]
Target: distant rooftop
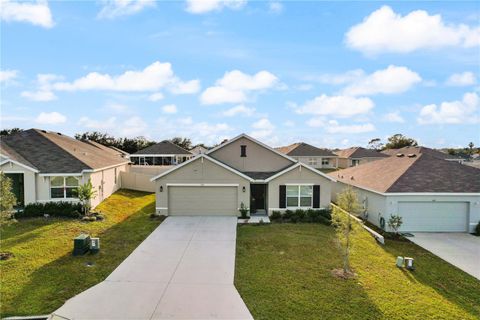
[[302, 149], [359, 152], [163, 148]]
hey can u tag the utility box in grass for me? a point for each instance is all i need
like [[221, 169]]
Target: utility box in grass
[[94, 245], [81, 244]]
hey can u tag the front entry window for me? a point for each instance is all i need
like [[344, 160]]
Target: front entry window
[[63, 187], [299, 196]]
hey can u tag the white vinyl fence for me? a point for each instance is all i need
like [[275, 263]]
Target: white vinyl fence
[[138, 177]]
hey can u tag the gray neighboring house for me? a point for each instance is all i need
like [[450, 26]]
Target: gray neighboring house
[[430, 194], [164, 153], [48, 166], [425, 150], [355, 156], [315, 157], [241, 170]]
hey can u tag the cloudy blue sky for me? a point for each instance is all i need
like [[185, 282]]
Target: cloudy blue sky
[[331, 74]]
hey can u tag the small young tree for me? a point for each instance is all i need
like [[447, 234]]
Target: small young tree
[[85, 193], [345, 225], [7, 198], [395, 222]]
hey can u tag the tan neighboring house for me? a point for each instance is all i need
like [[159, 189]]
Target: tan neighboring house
[[419, 150], [198, 150], [430, 194], [164, 153], [241, 170], [313, 156], [49, 166], [355, 156]]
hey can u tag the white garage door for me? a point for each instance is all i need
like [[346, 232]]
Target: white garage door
[[189, 201], [434, 216]]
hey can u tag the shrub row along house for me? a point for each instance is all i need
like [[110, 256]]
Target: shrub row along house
[[48, 166], [428, 192]]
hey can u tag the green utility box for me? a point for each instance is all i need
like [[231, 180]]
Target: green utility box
[[81, 244], [94, 245]]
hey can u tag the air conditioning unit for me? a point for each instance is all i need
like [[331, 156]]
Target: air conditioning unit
[[81, 244]]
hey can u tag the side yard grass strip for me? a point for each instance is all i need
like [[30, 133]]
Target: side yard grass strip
[[43, 274]]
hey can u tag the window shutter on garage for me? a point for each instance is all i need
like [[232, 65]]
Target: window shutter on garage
[[316, 196], [282, 197]]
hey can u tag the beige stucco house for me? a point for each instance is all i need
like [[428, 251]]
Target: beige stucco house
[[430, 194], [48, 166], [355, 156], [315, 157], [241, 170]]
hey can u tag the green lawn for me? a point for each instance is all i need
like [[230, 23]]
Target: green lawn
[[44, 274], [283, 271]]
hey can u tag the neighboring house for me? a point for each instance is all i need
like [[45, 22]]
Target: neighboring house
[[419, 150], [198, 150], [313, 156], [241, 170], [111, 150], [352, 157], [164, 153], [430, 194], [49, 166]]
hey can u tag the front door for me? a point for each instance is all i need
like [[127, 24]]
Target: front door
[[258, 197], [17, 187]]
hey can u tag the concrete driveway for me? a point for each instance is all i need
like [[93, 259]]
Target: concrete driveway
[[183, 270], [460, 249]]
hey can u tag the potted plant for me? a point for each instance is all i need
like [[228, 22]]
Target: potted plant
[[243, 211]]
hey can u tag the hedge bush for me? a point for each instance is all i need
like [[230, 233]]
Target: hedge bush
[[323, 216], [477, 229], [52, 208]]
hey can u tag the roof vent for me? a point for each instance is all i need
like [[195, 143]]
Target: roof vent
[[352, 178], [411, 155], [44, 131], [400, 155], [59, 133]]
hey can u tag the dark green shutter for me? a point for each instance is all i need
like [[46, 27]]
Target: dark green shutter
[[282, 197], [316, 196]]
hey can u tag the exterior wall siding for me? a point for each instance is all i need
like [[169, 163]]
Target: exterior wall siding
[[298, 175], [200, 172], [30, 193], [258, 158]]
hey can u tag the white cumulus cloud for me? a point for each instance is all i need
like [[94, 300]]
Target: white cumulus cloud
[[337, 106], [7, 75], [152, 78], [37, 13], [239, 110], [391, 80], [50, 118], [97, 124], [234, 86], [169, 108], [334, 127], [205, 6], [452, 112], [116, 8], [44, 88], [386, 31], [275, 7], [462, 79], [156, 96]]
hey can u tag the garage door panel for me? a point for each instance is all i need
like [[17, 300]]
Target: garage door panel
[[434, 216], [202, 200]]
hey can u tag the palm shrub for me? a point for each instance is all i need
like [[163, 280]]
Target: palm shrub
[[85, 193]]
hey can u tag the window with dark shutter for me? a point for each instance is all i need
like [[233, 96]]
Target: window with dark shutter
[[243, 151], [282, 197], [316, 196]]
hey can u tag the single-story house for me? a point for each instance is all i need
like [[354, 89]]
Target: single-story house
[[419, 150], [164, 153], [313, 156], [240, 171], [49, 166], [355, 156], [430, 194]]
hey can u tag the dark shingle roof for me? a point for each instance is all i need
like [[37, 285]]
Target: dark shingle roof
[[52, 152], [359, 152], [422, 173], [164, 147], [7, 152], [419, 150], [302, 149]]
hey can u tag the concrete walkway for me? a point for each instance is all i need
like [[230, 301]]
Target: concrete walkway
[[183, 270], [460, 249]]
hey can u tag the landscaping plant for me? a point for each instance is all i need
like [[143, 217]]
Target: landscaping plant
[[346, 226], [243, 211], [395, 222], [85, 193], [7, 198]]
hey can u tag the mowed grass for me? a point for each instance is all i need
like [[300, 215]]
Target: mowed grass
[[44, 274], [283, 271]]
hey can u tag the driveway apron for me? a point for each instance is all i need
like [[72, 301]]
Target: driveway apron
[[183, 270]]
